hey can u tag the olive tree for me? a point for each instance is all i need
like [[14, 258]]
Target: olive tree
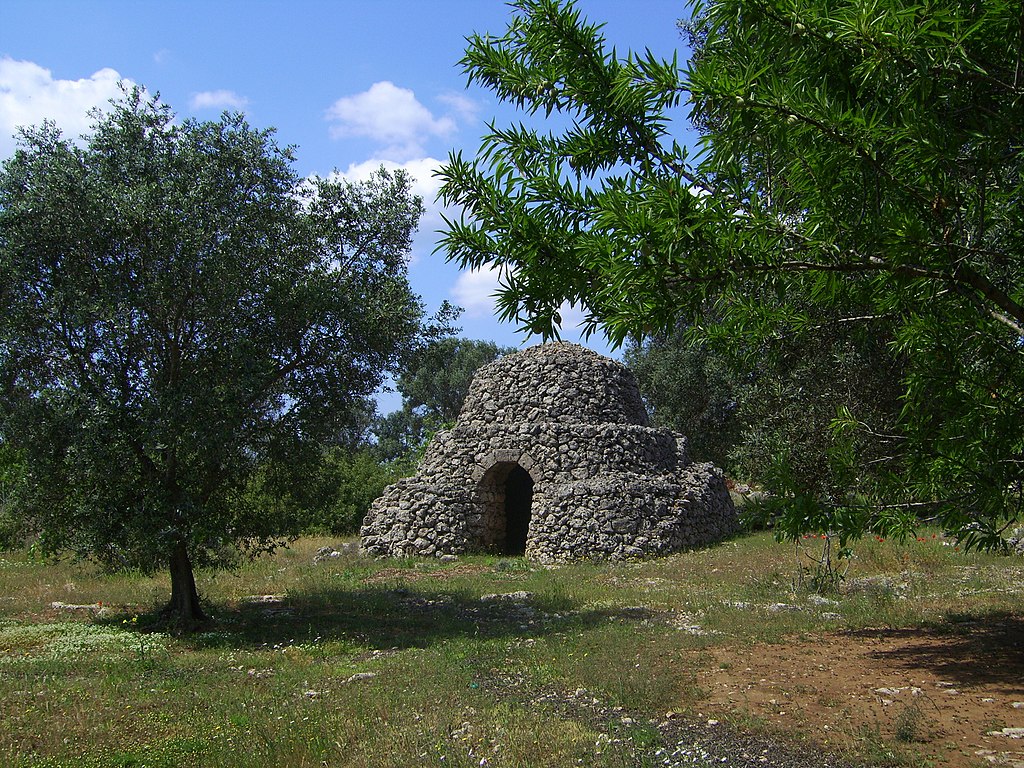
[[179, 312]]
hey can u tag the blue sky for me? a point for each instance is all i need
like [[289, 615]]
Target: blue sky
[[352, 83]]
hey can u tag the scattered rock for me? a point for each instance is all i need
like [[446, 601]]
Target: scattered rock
[[97, 607], [880, 586], [511, 597], [1012, 733], [1000, 758], [1015, 540], [692, 629], [358, 676], [264, 599], [888, 691], [685, 742], [348, 548], [325, 553], [819, 600]]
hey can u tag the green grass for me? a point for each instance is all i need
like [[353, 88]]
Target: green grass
[[355, 662]]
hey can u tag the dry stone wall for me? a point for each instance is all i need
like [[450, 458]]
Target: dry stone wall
[[601, 482]]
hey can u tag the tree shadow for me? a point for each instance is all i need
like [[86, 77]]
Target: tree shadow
[[967, 650], [382, 617]]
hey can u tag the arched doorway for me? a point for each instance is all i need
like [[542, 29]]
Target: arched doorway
[[504, 497], [518, 500]]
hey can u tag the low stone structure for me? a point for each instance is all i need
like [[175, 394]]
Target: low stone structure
[[552, 457]]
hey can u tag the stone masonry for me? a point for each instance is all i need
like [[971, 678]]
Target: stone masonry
[[553, 457]]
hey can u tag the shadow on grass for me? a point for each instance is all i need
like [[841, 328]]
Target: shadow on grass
[[383, 617], [969, 649]]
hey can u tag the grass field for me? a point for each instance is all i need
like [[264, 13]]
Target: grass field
[[355, 662]]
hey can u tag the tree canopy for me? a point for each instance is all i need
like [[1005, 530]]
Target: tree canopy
[[859, 168], [181, 314], [433, 387]]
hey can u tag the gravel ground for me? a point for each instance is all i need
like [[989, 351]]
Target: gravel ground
[[702, 744], [686, 741]]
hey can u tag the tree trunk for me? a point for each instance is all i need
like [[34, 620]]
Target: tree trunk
[[184, 603]]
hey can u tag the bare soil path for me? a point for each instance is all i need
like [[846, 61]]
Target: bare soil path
[[952, 697]]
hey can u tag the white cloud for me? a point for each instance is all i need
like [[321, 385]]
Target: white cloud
[[474, 291], [391, 116], [424, 184], [464, 107], [219, 100], [420, 169], [29, 94]]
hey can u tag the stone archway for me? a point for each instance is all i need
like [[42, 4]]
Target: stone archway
[[504, 498]]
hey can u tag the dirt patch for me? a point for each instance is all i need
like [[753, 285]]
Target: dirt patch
[[944, 695]]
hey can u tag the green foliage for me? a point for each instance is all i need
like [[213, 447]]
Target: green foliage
[[433, 387], [768, 414], [692, 388], [593, 216], [353, 480], [330, 496], [180, 311], [401, 437], [857, 191], [790, 403], [12, 481], [872, 177], [438, 377]]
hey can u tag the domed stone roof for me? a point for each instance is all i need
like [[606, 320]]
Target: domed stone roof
[[557, 382], [552, 456]]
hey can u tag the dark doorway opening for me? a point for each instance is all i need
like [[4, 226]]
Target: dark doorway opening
[[518, 498]]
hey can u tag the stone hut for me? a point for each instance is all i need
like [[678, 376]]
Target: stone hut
[[553, 457]]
